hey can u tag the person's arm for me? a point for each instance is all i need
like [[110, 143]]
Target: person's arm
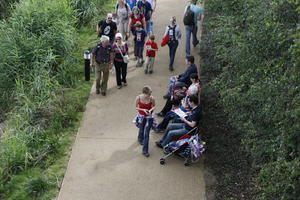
[[97, 29], [155, 47], [178, 31], [191, 124], [166, 31], [154, 5], [129, 27], [93, 58], [111, 59], [153, 105], [144, 23]]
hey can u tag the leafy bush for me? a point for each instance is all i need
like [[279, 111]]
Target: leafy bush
[[85, 10], [250, 50], [37, 36]]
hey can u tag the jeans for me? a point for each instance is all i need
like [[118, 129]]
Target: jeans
[[172, 52], [121, 72], [173, 130], [149, 27], [144, 131], [164, 123], [171, 84], [190, 30]]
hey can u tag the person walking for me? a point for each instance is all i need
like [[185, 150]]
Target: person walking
[[107, 27], [102, 57], [145, 105], [139, 42], [146, 8], [174, 35], [120, 49], [122, 13], [192, 14], [151, 48]]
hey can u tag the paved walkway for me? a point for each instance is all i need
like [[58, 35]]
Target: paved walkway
[[106, 161]]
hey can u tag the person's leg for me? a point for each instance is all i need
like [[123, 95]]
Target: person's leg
[[125, 29], [148, 27], [175, 45], [98, 77], [174, 133], [135, 49], [171, 85], [141, 131], [151, 64], [167, 107], [124, 72], [194, 33], [105, 71], [146, 135], [188, 31], [164, 123], [170, 128], [118, 66], [170, 54], [146, 66]]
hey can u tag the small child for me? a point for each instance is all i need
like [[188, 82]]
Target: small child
[[139, 41], [151, 48]]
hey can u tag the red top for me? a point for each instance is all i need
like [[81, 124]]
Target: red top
[[134, 20], [153, 45], [147, 106]]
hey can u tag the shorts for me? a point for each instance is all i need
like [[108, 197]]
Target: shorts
[[138, 51]]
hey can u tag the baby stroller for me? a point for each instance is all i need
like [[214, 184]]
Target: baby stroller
[[189, 147]]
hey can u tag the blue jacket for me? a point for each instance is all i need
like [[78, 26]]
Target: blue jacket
[[185, 76]]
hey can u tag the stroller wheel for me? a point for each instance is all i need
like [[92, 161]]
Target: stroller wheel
[[162, 161]]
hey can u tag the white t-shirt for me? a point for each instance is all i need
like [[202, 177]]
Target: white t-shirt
[[193, 89]]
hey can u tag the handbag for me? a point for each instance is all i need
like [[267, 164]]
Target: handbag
[[126, 58]]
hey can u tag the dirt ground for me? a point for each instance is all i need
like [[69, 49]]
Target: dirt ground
[[106, 161]]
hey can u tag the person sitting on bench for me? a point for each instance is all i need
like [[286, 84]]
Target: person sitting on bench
[[188, 123]]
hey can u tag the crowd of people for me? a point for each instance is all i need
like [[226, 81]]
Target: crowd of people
[[129, 26]]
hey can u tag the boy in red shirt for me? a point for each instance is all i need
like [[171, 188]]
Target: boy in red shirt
[[151, 48]]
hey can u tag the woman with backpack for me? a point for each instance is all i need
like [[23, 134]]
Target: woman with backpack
[[174, 35], [122, 13]]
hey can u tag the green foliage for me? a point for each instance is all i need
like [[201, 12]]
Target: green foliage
[[250, 50], [85, 11], [5, 7], [40, 68]]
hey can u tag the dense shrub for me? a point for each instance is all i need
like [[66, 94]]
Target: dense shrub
[[37, 36], [250, 49]]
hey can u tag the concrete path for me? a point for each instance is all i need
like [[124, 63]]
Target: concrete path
[[106, 161]]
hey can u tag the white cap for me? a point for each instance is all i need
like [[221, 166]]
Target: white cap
[[119, 35]]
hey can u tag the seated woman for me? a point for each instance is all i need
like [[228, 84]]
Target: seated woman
[[194, 89], [187, 124], [179, 92]]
